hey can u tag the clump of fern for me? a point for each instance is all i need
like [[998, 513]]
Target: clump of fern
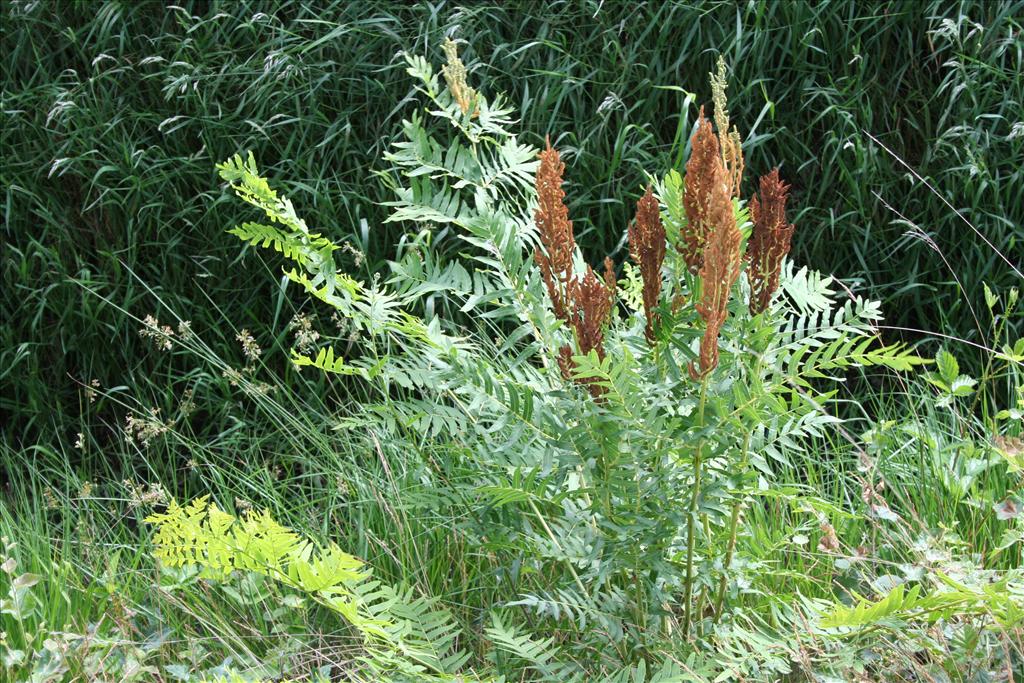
[[610, 433]]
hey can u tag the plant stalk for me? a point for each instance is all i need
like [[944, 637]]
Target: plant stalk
[[723, 579], [697, 466]]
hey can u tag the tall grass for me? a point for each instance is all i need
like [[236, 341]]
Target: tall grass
[[114, 113]]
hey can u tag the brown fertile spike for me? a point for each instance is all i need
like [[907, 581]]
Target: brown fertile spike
[[732, 158], [455, 75], [592, 302], [565, 361], [732, 151], [647, 248], [609, 280], [701, 174], [770, 240], [719, 273], [585, 303], [555, 228]]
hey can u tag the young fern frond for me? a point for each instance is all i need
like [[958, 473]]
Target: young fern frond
[[903, 605], [401, 633], [327, 361], [311, 252], [263, 235], [539, 656]]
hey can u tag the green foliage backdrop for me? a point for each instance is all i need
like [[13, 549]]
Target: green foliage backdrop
[[114, 112]]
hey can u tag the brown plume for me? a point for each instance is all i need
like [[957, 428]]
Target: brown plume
[[701, 174], [591, 301], [647, 247], [720, 270], [565, 361], [584, 304], [770, 240], [732, 151], [732, 158], [555, 228]]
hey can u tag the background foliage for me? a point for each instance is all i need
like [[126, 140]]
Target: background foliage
[[114, 113]]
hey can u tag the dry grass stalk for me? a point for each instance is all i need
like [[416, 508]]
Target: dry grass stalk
[[770, 240], [647, 248], [720, 271]]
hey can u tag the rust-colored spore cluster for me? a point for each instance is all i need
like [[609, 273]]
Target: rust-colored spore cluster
[[709, 243], [584, 303], [701, 174], [729, 138], [770, 240], [732, 158], [720, 269], [555, 228], [647, 248], [592, 302]]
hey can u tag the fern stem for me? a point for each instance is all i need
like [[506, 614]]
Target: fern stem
[[723, 579], [733, 526], [697, 467]]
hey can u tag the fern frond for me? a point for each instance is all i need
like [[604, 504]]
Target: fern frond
[[399, 630], [538, 655]]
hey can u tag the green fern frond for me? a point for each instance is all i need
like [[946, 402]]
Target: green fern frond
[[399, 630], [539, 655], [263, 235]]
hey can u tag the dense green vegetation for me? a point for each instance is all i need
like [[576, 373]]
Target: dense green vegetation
[[628, 522]]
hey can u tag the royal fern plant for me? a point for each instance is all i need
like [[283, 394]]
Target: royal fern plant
[[612, 424]]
